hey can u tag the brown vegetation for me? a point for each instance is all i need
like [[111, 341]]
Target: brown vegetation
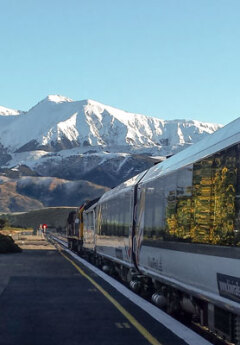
[[12, 201]]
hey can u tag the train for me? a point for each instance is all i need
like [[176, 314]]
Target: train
[[173, 231]]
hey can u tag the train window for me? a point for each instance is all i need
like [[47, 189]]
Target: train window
[[128, 214], [152, 200], [199, 203], [184, 196], [121, 215], [121, 212], [205, 206], [114, 219]]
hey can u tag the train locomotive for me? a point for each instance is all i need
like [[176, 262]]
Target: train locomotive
[[174, 231]]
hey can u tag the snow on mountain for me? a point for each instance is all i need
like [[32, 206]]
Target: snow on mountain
[[81, 140], [58, 123], [7, 116], [8, 112], [89, 140]]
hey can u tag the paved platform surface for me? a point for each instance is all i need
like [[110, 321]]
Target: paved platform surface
[[44, 300]]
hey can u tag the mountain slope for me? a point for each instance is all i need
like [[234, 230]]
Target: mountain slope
[[29, 193], [12, 201]]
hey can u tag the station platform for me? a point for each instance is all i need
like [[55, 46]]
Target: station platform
[[49, 298]]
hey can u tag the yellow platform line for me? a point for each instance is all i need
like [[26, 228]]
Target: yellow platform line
[[128, 316]]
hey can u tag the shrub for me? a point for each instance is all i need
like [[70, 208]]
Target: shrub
[[7, 245]]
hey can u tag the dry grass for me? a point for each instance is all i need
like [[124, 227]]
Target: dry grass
[[53, 216], [33, 242], [25, 239]]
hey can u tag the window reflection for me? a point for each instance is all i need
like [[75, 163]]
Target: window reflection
[[200, 203], [114, 216]]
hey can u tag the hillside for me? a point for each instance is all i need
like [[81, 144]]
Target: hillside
[[29, 193], [54, 217]]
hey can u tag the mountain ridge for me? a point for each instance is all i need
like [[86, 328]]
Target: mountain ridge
[[89, 123], [83, 140]]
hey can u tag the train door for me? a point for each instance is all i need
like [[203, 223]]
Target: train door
[[138, 223]]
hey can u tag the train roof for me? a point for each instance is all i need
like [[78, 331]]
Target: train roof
[[90, 203], [123, 187], [225, 137]]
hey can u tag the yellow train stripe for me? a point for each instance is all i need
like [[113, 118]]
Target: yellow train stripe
[[128, 316]]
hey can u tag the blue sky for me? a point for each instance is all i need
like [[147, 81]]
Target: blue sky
[[166, 58]]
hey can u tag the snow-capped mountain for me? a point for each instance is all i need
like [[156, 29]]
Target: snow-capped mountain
[[87, 140], [58, 122]]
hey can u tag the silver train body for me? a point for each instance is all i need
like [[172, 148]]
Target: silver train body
[[175, 229]]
